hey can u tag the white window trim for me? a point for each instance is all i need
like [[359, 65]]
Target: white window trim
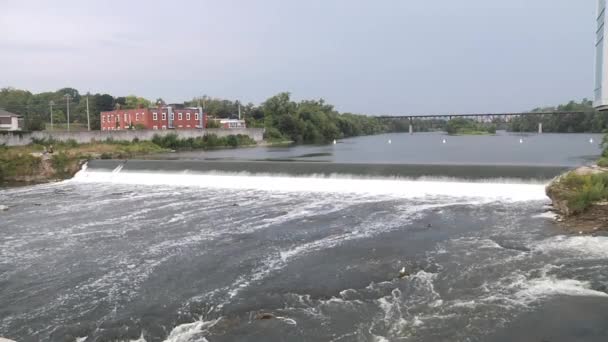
[[187, 116], [172, 116], [164, 116], [155, 116], [180, 116], [136, 116], [195, 116]]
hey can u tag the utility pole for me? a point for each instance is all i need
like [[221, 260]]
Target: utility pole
[[51, 104], [88, 120], [67, 101]]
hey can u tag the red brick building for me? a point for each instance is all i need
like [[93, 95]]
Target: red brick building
[[153, 118]]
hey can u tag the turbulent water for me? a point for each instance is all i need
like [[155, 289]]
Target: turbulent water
[[137, 252]]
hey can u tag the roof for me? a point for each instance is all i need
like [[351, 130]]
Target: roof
[[5, 113]]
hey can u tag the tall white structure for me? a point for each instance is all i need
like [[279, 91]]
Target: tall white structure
[[601, 62]]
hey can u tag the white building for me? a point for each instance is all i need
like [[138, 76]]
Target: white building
[[601, 62], [10, 121]]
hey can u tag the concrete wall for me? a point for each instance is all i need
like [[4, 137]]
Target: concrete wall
[[19, 139]]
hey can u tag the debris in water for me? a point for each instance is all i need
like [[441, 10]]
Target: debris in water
[[264, 316], [429, 225], [3, 207], [235, 205], [403, 273]]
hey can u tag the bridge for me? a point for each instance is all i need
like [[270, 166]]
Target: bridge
[[482, 117]]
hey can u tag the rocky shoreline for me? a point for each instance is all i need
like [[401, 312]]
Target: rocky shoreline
[[593, 219]]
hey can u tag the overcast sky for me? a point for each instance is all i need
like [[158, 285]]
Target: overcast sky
[[375, 57]]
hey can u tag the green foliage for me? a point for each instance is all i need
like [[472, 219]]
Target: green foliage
[[584, 190], [62, 163], [273, 134], [17, 164], [588, 120], [469, 127], [172, 141], [603, 162], [213, 124]]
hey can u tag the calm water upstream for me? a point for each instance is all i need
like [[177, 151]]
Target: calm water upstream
[[314, 238]]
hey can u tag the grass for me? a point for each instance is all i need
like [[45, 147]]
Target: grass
[[19, 162], [472, 132], [582, 191]]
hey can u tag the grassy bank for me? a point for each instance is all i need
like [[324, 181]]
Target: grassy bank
[[29, 164], [576, 191]]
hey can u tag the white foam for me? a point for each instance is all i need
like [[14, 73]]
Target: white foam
[[401, 188], [580, 247], [548, 215], [551, 286], [190, 332]]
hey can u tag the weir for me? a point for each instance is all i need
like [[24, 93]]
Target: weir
[[467, 172]]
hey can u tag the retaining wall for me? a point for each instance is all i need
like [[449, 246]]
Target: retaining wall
[[19, 139]]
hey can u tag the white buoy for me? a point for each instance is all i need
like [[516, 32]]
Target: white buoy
[[390, 141], [444, 141], [335, 141], [591, 141], [521, 141]]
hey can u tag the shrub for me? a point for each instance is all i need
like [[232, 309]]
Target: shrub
[[272, 133], [581, 191], [603, 162]]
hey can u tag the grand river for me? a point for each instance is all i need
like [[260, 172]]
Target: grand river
[[399, 237]]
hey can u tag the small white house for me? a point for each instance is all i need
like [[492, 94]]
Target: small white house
[[10, 121]]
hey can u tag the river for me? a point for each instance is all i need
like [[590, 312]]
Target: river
[[199, 246]]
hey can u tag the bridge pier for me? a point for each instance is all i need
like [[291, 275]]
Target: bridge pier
[[411, 129], [540, 128]]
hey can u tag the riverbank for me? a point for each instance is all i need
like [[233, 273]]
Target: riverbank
[[47, 160], [580, 197]]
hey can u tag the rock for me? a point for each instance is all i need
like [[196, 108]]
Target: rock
[[264, 316], [3, 207]]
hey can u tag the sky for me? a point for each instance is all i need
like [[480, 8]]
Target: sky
[[383, 57]]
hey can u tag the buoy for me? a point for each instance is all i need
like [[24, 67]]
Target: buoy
[[335, 141], [591, 141], [390, 141], [521, 141], [444, 141], [403, 273]]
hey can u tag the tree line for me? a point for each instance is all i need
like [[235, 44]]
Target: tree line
[[307, 121]]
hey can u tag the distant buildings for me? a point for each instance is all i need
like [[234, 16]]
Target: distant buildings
[[166, 117], [10, 121], [231, 123], [601, 62]]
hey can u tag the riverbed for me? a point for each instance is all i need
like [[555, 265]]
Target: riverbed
[[418, 240]]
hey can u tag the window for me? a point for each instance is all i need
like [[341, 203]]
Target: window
[[187, 116], [155, 116], [126, 117], [164, 116], [164, 127], [188, 126], [155, 127], [172, 116], [195, 116], [179, 116], [136, 116], [117, 118]]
